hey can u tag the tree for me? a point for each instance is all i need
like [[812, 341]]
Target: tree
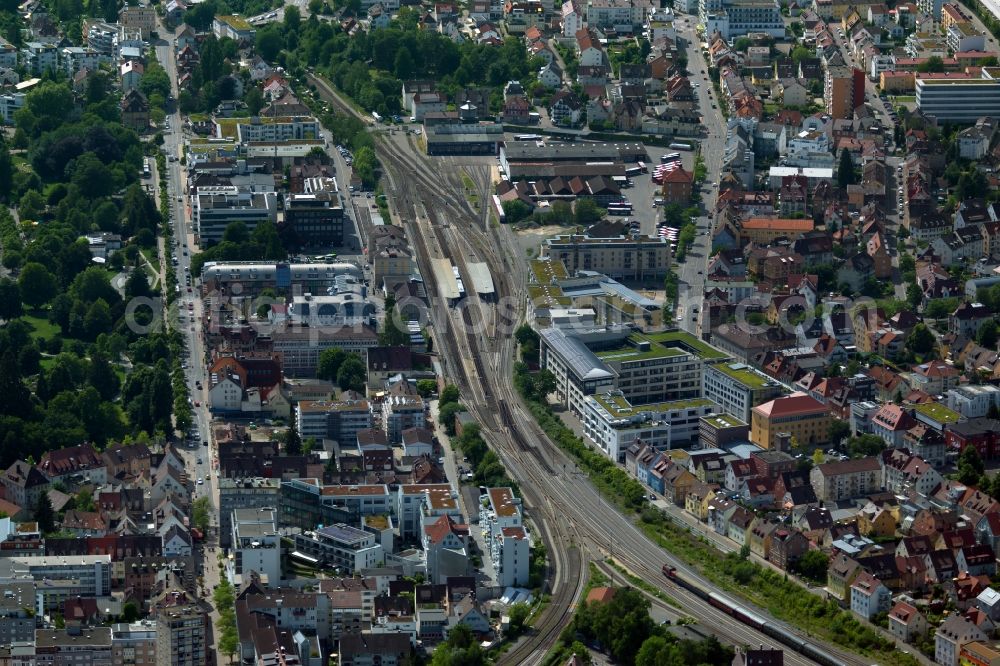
[[515, 210], [865, 445], [391, 334], [293, 442], [130, 612], [426, 388], [98, 319], [352, 374], [293, 18], [817, 457], [254, 99], [137, 285], [38, 286], [269, 43], [914, 295], [921, 340], [518, 615], [200, 510], [845, 170], [10, 300], [92, 176], [813, 565], [365, 164], [44, 515], [446, 416], [102, 376], [6, 170], [448, 394], [585, 211], [933, 64], [838, 431], [329, 363], [987, 335], [970, 466]]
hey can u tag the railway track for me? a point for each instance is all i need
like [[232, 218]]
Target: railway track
[[573, 520]]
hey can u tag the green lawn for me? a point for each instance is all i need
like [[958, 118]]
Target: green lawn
[[41, 327], [151, 257]]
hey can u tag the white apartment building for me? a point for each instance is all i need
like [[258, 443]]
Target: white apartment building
[[622, 14], [361, 500], [76, 58], [402, 412], [256, 546], [8, 54], [737, 388], [339, 420], [510, 547], [417, 504], [974, 400], [810, 148], [869, 596], [964, 37], [613, 423], [64, 577], [342, 546], [572, 18], [102, 36], [39, 57], [882, 62], [735, 19], [267, 130], [345, 309], [215, 208], [250, 493]]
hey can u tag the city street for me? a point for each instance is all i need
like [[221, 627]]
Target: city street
[[202, 474], [691, 272]]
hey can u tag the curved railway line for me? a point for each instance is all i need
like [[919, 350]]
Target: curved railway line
[[574, 521]]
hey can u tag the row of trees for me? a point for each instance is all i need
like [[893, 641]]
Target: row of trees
[[582, 213], [624, 629]]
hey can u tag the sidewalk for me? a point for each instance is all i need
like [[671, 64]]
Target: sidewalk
[[451, 458]]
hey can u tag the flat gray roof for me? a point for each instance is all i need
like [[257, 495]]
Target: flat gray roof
[[482, 281], [577, 356]]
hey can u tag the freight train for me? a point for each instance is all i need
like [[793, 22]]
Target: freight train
[[747, 616]]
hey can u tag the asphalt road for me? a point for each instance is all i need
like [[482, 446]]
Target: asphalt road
[[691, 271], [198, 458]]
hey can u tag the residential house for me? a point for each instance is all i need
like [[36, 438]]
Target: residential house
[[951, 635], [906, 622], [869, 596]]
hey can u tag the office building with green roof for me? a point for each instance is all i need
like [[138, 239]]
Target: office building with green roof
[[646, 368], [613, 423], [737, 388]]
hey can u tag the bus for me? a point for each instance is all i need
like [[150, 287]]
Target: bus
[[633, 171], [670, 157], [527, 137], [620, 209], [681, 146], [145, 168]]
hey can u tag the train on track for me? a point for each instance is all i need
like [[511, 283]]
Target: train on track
[[748, 617]]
